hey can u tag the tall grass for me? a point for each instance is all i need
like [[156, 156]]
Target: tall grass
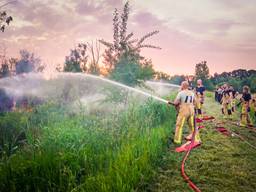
[[62, 151]]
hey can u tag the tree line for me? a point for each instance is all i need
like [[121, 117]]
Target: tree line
[[237, 78]]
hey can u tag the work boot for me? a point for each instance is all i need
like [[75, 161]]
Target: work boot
[[200, 127], [176, 143], [187, 146]]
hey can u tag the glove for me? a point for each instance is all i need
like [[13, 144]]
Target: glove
[[170, 103]]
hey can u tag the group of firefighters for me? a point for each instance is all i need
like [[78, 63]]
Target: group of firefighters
[[189, 103], [231, 99]]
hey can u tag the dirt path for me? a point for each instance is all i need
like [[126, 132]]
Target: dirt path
[[221, 164]]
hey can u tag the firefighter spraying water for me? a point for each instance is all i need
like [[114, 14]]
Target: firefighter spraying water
[[185, 101]]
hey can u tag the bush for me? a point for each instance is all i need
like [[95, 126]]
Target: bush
[[209, 85], [12, 133], [112, 152], [6, 102], [130, 71]]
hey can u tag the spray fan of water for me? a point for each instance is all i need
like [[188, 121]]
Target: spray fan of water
[[90, 90]]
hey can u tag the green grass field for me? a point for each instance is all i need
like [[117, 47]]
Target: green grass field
[[220, 164]]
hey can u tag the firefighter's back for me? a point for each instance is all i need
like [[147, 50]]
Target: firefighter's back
[[187, 98]]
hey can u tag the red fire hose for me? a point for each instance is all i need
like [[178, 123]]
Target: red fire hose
[[183, 173], [220, 129], [228, 132]]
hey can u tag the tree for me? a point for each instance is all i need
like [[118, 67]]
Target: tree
[[7, 65], [252, 81], [77, 60], [237, 78], [177, 79], [94, 49], [161, 76], [28, 62], [6, 102], [202, 71], [84, 58], [147, 71], [124, 49], [4, 68], [126, 71], [5, 19], [130, 72]]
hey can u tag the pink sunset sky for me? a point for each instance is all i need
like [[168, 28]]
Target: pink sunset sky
[[222, 32]]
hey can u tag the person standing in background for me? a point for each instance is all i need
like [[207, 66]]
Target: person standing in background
[[198, 106], [246, 100], [200, 89], [253, 106], [190, 82], [216, 93]]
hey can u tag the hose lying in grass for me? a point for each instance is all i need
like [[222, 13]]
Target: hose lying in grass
[[243, 139], [249, 127], [228, 132], [183, 173]]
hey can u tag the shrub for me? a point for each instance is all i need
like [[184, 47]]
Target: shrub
[[112, 152]]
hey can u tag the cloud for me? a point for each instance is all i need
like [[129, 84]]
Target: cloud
[[189, 31], [235, 4], [89, 7], [146, 19]]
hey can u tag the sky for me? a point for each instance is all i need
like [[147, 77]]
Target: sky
[[222, 32]]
